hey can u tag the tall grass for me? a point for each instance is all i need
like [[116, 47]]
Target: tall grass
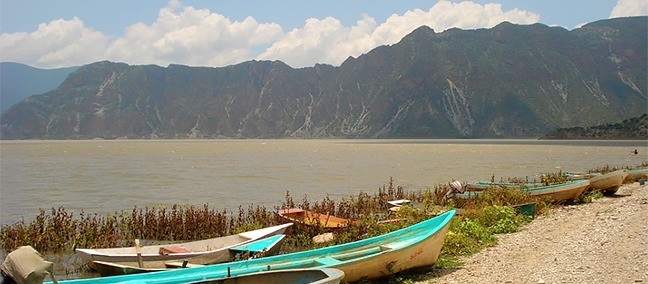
[[59, 231]]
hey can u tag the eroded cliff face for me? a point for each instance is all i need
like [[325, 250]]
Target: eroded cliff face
[[509, 81]]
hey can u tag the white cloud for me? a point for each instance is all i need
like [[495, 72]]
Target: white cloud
[[57, 43], [628, 8], [327, 41], [192, 37], [199, 37]]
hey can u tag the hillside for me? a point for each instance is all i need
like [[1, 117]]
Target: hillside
[[508, 81], [628, 129], [19, 81]]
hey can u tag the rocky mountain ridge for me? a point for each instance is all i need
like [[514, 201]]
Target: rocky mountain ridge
[[508, 81]]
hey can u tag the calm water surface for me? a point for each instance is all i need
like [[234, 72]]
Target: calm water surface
[[108, 176]]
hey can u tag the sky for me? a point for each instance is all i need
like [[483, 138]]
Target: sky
[[302, 33]]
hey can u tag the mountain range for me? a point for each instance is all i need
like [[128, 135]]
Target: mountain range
[[19, 81], [503, 82]]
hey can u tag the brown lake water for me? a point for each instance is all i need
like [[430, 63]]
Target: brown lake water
[[106, 176]]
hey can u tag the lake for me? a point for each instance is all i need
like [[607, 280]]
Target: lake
[[100, 176]]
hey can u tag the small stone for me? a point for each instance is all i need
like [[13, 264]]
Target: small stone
[[323, 238], [541, 281]]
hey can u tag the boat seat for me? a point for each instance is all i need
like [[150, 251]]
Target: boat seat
[[180, 264], [171, 249], [328, 261]]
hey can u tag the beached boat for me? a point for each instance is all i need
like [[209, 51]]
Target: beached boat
[[311, 218], [215, 247], [287, 276], [608, 183], [414, 246], [483, 185], [557, 192], [636, 175], [259, 248]]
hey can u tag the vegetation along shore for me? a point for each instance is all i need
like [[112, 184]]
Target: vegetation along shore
[[593, 239]]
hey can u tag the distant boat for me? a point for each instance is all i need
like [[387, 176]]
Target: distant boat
[[557, 192], [418, 245], [259, 248], [311, 218], [483, 185], [608, 183], [217, 249], [636, 175], [287, 276]]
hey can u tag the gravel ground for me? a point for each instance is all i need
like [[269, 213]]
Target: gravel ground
[[605, 241]]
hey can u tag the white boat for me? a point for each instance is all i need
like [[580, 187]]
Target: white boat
[[178, 251]]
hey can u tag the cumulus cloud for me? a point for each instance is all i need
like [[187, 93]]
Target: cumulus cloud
[[192, 37], [199, 37], [57, 43], [327, 41], [628, 8]]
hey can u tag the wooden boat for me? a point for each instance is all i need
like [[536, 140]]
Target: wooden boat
[[168, 252], [286, 276], [608, 183], [636, 174], [557, 192], [259, 248], [310, 218], [483, 185], [414, 246]]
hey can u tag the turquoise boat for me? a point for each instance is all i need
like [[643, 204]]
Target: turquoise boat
[[287, 276], [557, 192], [418, 245]]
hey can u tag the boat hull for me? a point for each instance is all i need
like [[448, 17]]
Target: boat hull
[[218, 249], [608, 183], [557, 193], [636, 175], [288, 276], [414, 246], [263, 247]]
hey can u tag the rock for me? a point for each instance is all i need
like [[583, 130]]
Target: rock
[[323, 238]]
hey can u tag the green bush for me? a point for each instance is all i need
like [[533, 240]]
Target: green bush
[[501, 219]]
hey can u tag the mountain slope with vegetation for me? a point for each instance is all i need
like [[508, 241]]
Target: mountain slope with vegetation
[[508, 81], [629, 129]]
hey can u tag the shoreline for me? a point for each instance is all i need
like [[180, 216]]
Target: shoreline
[[605, 241]]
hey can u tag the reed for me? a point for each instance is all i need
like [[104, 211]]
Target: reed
[[59, 231]]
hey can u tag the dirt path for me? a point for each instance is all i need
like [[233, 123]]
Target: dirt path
[[605, 241]]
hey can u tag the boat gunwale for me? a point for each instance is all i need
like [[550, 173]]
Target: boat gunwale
[[424, 230]]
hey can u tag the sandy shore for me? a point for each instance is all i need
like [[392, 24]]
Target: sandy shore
[[605, 241]]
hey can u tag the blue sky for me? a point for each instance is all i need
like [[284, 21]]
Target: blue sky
[[48, 34]]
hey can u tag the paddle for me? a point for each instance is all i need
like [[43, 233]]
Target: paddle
[[138, 250]]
